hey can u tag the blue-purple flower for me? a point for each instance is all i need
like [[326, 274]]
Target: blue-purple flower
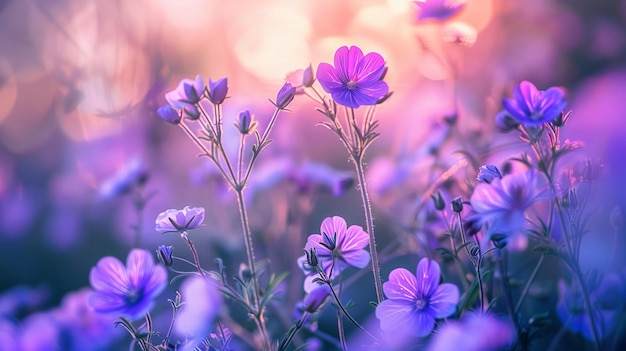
[[168, 114], [337, 247], [415, 301], [128, 290], [316, 298], [132, 175], [172, 221], [502, 204], [475, 332], [218, 90], [186, 95], [439, 10], [534, 107], [202, 301], [285, 96], [487, 173], [355, 80]]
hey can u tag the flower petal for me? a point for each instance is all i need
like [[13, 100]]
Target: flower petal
[[401, 285], [357, 258], [355, 238], [371, 67], [443, 302], [328, 78], [110, 276], [428, 274], [139, 265]]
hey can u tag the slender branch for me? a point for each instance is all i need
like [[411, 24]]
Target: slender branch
[[528, 283], [194, 252]]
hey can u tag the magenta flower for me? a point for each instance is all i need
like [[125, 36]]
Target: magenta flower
[[172, 221], [534, 107], [355, 79], [502, 204], [127, 291], [415, 301], [337, 248], [439, 10]]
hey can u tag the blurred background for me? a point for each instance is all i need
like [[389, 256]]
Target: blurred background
[[80, 81]]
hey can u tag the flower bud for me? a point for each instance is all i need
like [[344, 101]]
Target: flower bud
[[311, 257], [316, 298], [168, 114], [487, 173], [329, 243], [438, 201], [506, 122], [164, 255], [308, 77], [457, 204], [246, 124], [218, 90], [285, 96]]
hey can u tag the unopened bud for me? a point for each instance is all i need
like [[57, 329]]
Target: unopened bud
[[164, 255], [457, 204], [438, 201]]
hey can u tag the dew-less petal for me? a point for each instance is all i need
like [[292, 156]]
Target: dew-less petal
[[155, 281], [513, 108], [401, 285], [333, 225], [348, 98], [376, 90], [444, 300], [394, 313], [106, 303], [355, 238], [138, 264], [109, 275], [371, 67], [356, 258], [528, 94], [328, 78], [427, 275]]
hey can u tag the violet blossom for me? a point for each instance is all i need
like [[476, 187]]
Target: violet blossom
[[126, 290], [415, 301], [337, 247], [202, 302], [470, 334], [218, 90], [533, 107], [173, 221], [355, 80], [186, 95]]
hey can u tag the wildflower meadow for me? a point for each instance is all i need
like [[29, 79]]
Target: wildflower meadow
[[332, 175]]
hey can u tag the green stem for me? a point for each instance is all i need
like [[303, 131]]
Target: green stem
[[292, 332], [369, 220], [527, 287]]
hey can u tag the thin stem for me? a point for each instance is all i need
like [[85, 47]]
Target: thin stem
[[196, 259], [345, 312], [240, 158], [369, 220], [507, 287], [342, 337], [527, 287], [292, 332]]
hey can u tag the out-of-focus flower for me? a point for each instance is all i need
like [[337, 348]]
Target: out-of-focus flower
[[40, 332], [505, 122], [21, 298], [440, 10], [246, 124], [502, 203], [487, 173], [9, 334], [285, 96], [172, 221], [316, 298], [337, 248], [168, 114], [534, 107], [475, 332], [355, 79], [301, 78], [415, 301], [218, 90], [128, 291], [133, 174], [317, 175], [83, 328], [164, 254], [202, 302]]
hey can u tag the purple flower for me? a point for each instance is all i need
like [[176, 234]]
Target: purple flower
[[164, 255], [171, 221], [470, 334], [534, 107], [316, 298], [487, 173], [202, 301], [168, 114], [301, 78], [502, 203], [323, 177], [506, 122], [128, 291], [186, 95], [337, 248], [439, 10], [246, 124], [218, 90], [133, 174], [285, 96], [415, 301], [355, 79]]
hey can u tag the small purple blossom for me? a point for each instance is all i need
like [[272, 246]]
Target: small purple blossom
[[470, 334], [502, 204], [355, 79], [168, 114], [128, 291], [186, 95], [439, 10], [133, 174], [316, 298], [415, 301], [301, 78], [164, 255], [337, 248], [172, 221], [218, 90], [487, 173], [246, 124], [506, 122], [534, 107], [202, 301], [285, 96]]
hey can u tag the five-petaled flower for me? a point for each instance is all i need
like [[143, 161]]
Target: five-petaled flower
[[415, 301], [173, 221], [532, 107], [502, 203], [337, 247], [127, 291], [355, 80], [439, 10]]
